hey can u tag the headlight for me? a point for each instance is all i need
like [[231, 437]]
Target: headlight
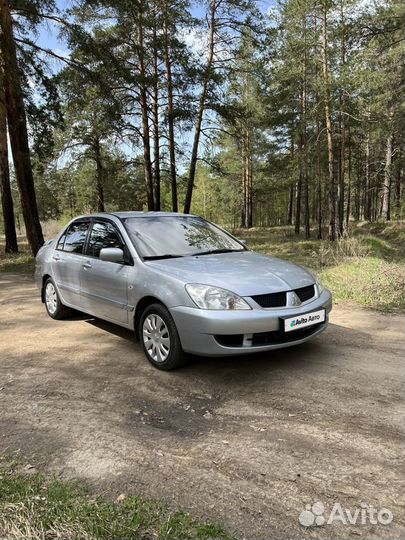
[[207, 297]]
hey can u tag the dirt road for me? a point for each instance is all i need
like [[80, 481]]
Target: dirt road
[[248, 441]]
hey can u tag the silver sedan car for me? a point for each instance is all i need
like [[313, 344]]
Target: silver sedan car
[[181, 283]]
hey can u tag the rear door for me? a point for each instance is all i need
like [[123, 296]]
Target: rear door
[[104, 285], [67, 261]]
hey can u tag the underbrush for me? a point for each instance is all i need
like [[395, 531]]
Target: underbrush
[[39, 508], [368, 281], [365, 266], [17, 262]]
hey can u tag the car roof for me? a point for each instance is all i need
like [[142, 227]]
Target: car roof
[[148, 214], [135, 214]]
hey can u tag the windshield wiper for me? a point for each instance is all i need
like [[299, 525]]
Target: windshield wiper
[[222, 250], [157, 257]]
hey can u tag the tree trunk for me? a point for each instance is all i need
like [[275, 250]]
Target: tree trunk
[[247, 216], [367, 194], [357, 192], [306, 208], [201, 107], [319, 186], [290, 205], [290, 209], [156, 138], [342, 125], [247, 168], [319, 210], [398, 191], [145, 117], [341, 184], [349, 183], [170, 111], [99, 176], [386, 204], [244, 186], [303, 156], [376, 210], [318, 156], [17, 125], [332, 194], [248, 198], [5, 187], [298, 198]]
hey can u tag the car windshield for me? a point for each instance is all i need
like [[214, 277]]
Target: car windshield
[[158, 237]]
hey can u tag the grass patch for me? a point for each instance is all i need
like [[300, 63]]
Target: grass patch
[[369, 281], [17, 262], [22, 262], [35, 507], [365, 267]]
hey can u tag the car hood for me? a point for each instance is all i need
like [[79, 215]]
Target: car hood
[[246, 273]]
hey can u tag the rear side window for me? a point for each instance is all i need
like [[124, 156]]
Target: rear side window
[[75, 237], [103, 235], [61, 241]]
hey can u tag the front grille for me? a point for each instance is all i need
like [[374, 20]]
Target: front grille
[[305, 293], [278, 337], [278, 299], [275, 337]]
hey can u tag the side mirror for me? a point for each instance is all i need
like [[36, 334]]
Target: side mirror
[[115, 255]]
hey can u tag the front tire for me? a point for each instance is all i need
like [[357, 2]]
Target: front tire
[[160, 339], [53, 304]]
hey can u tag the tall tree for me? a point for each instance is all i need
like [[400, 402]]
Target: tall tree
[[167, 53], [226, 23], [342, 124], [17, 124], [213, 9], [5, 187], [144, 106], [328, 120], [155, 108], [386, 203]]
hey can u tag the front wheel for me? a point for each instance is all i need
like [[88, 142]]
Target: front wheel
[[160, 339], [53, 304]]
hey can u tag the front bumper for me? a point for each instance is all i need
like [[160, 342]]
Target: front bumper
[[197, 328]]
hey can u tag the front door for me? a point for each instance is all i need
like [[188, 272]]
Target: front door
[[104, 285]]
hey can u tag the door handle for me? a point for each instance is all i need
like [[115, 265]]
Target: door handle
[[56, 257], [86, 265]]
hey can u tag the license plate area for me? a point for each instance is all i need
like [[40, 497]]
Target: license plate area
[[303, 320]]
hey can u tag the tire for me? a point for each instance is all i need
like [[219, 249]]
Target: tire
[[160, 339], [53, 304]]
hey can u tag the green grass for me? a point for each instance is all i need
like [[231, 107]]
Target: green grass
[[369, 281], [365, 267], [17, 262], [33, 506]]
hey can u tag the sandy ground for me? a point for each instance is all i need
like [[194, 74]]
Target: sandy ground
[[247, 442]]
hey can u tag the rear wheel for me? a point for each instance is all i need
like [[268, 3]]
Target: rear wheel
[[53, 303], [160, 339]]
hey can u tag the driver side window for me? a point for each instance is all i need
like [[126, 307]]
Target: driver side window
[[103, 235]]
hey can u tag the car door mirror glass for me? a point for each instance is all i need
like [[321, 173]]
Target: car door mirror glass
[[115, 255]]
